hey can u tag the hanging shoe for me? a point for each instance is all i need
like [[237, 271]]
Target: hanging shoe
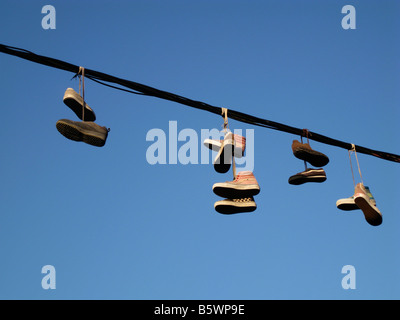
[[309, 175], [240, 145], [304, 152], [349, 204], [228, 149], [86, 131], [366, 202], [244, 186], [230, 206], [213, 144], [75, 101]]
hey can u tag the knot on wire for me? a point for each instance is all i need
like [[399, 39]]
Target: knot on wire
[[80, 72], [305, 134], [81, 75], [224, 114]]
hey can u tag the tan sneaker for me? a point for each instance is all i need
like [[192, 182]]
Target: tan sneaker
[[86, 131], [244, 186], [230, 206], [75, 102], [304, 152], [365, 201]]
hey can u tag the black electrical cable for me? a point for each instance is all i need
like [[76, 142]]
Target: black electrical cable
[[114, 87], [142, 89]]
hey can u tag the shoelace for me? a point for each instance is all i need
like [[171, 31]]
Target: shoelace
[[243, 200]]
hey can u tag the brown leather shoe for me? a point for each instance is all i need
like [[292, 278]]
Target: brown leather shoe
[[304, 152]]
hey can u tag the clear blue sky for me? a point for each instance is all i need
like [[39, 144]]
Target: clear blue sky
[[116, 227]]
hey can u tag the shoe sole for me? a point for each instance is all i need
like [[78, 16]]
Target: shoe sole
[[73, 133], [236, 192], [75, 102], [346, 205], [297, 180], [372, 216], [215, 145], [315, 158], [221, 164], [228, 207]]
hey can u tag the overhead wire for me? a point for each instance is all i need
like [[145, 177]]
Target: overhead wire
[[141, 89]]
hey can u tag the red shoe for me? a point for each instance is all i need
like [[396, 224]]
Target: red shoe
[[244, 186]]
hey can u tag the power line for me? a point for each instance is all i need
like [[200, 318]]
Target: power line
[[141, 89]]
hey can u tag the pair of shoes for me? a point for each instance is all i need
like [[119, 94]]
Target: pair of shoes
[[304, 152], [239, 194], [349, 204], [231, 146], [86, 130], [364, 200]]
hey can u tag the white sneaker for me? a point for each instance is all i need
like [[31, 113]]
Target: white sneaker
[[366, 202], [347, 204]]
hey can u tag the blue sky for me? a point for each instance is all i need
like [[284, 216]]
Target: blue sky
[[116, 227]]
